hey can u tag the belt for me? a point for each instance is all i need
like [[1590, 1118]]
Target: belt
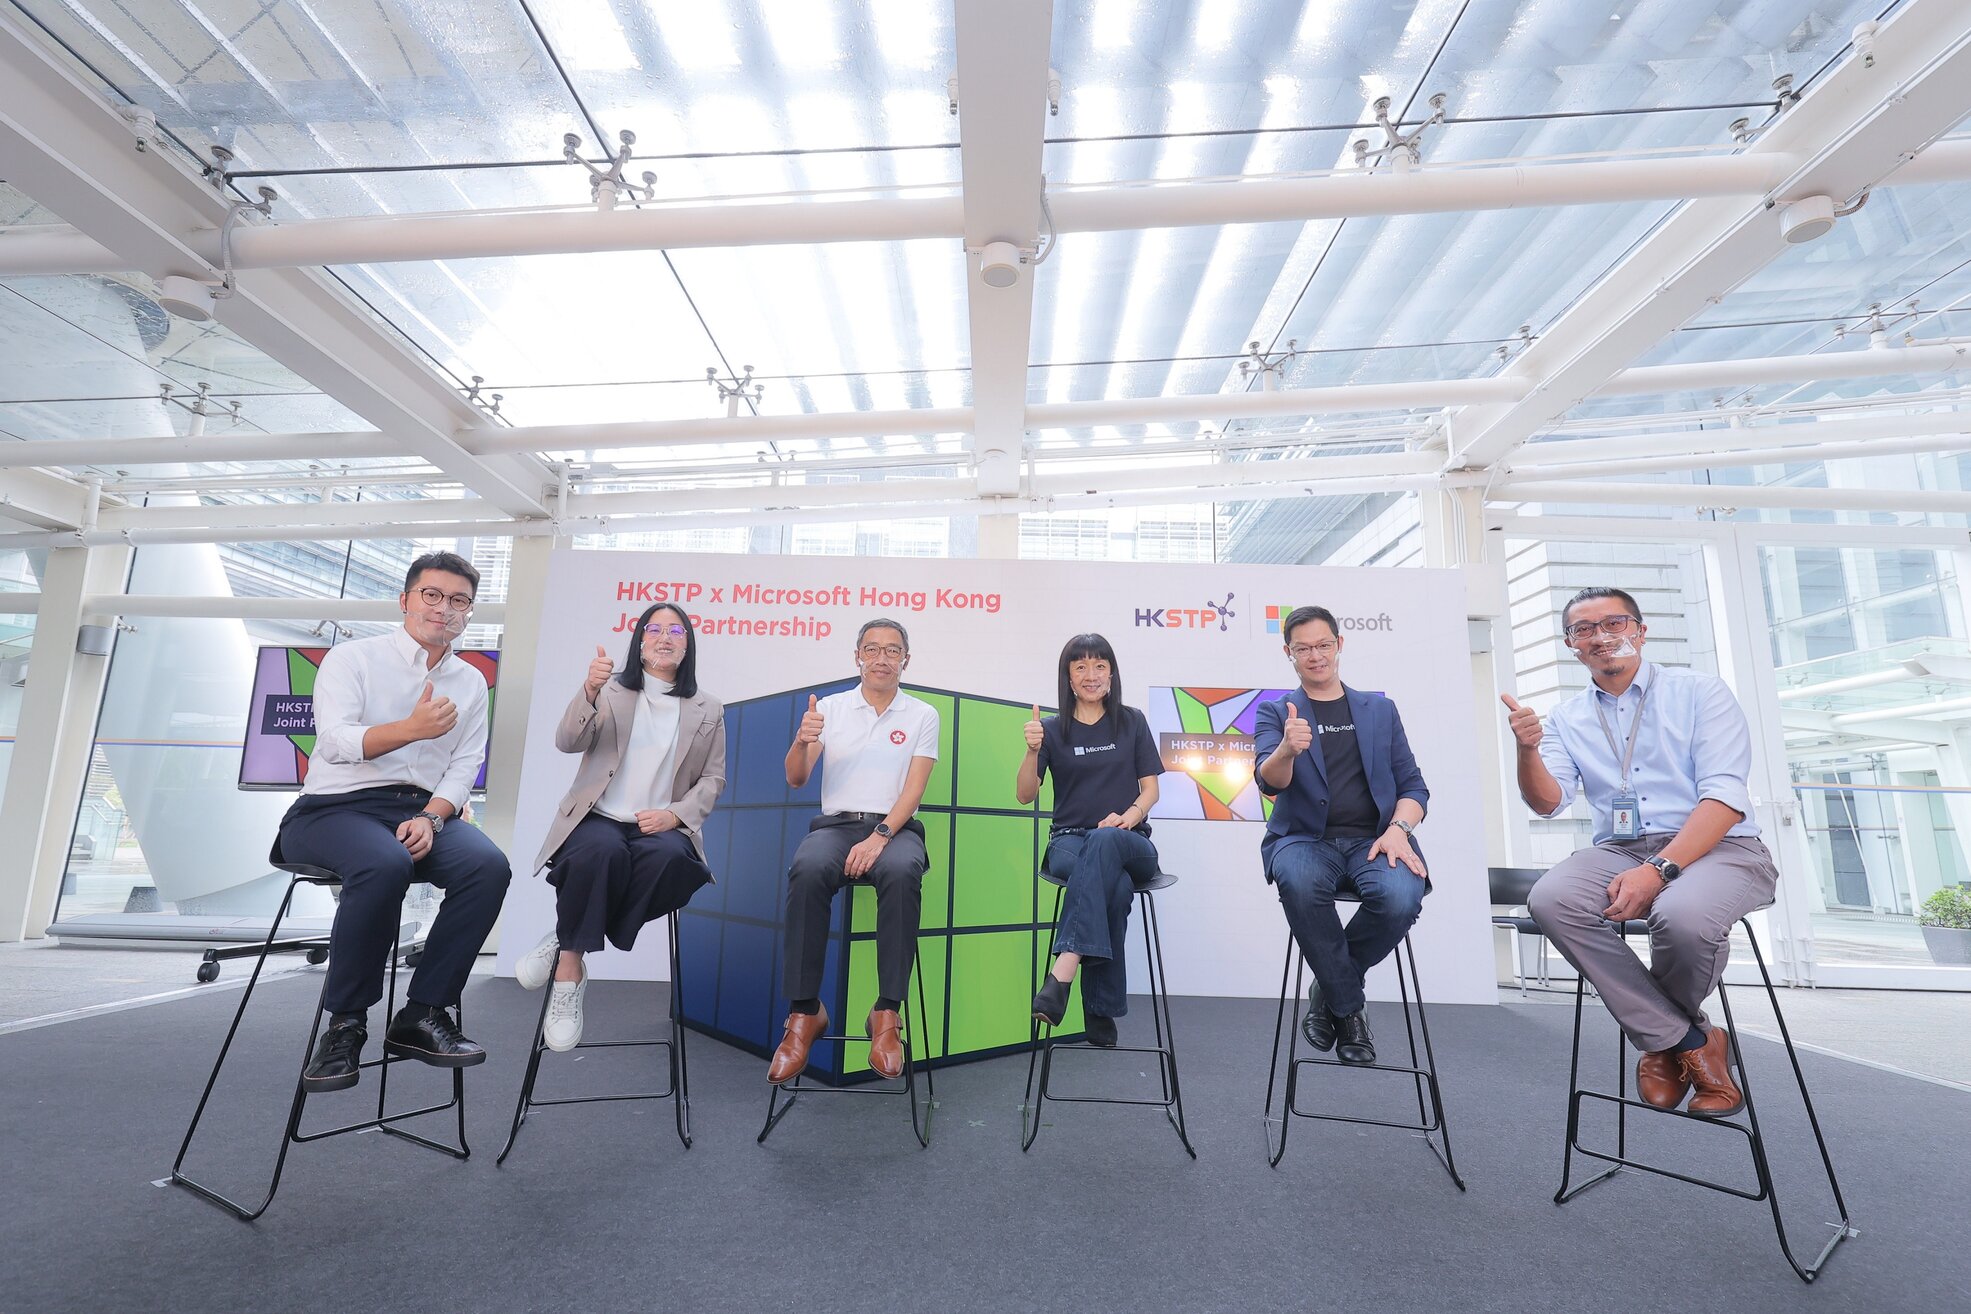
[[857, 816]]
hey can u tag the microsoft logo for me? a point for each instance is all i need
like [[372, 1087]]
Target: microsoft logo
[[1276, 615]]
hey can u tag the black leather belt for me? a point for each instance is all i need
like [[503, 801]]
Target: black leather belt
[[845, 817]]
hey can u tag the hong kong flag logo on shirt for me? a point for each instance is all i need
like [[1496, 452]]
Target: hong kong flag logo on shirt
[[897, 736]]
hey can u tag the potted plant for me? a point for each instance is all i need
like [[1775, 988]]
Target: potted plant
[[1946, 923]]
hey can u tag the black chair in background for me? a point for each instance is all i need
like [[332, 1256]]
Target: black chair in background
[[1430, 1114], [303, 874], [1510, 887], [1042, 1051], [1755, 1138], [673, 1046]]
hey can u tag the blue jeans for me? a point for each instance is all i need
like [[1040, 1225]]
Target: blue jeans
[[1102, 869], [1308, 874]]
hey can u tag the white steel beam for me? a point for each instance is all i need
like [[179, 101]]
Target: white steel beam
[[1846, 135], [1555, 459], [1726, 497], [1002, 48], [37, 500], [65, 147], [772, 221]]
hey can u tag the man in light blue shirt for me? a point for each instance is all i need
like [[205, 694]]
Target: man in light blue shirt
[[1662, 755]]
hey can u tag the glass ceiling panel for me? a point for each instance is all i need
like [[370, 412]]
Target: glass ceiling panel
[[292, 84], [18, 208], [876, 309]]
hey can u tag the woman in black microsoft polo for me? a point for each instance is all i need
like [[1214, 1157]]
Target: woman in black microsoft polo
[[1105, 766]]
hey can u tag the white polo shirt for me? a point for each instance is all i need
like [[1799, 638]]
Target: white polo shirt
[[866, 756]]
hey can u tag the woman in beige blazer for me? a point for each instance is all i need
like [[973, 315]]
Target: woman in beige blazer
[[624, 848]]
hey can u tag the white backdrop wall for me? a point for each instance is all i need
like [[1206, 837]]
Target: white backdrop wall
[[995, 629]]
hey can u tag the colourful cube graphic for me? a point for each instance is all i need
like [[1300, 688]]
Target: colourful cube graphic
[[987, 920]]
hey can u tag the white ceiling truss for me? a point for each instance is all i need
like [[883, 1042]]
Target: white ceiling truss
[[129, 205]]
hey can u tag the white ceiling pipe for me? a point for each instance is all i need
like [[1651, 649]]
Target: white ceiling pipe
[[1729, 459], [1857, 428], [1719, 498], [139, 537], [1846, 684], [1907, 710], [1873, 362], [282, 609], [116, 452], [1425, 394], [405, 516], [1317, 470], [717, 429]]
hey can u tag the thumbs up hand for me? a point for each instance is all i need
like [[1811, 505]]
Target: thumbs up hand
[[600, 669], [1297, 735], [812, 722], [1523, 721], [431, 717], [1033, 730]]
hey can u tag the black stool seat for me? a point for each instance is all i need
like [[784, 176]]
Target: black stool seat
[[1430, 1117], [673, 1046], [905, 1085], [1042, 1049], [1749, 1129], [299, 874]]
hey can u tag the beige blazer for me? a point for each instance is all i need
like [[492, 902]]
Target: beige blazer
[[601, 733]]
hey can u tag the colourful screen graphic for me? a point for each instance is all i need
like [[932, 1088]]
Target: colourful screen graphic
[[1205, 738], [280, 722]]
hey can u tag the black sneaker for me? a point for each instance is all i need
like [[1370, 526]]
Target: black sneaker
[[1356, 1044], [430, 1036], [1318, 1024], [1051, 1004], [338, 1058], [1101, 1031]]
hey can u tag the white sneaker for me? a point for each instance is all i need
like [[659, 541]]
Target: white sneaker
[[533, 971], [563, 1029]]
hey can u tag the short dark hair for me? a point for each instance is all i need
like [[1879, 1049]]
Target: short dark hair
[[884, 623], [1099, 648], [449, 562], [631, 676], [1600, 591], [1299, 616]]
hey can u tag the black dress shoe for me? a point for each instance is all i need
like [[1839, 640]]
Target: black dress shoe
[[430, 1036], [1100, 1031], [338, 1058], [1355, 1045], [1051, 1004], [1318, 1024]]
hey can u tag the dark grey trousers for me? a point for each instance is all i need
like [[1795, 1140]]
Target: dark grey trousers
[[812, 882]]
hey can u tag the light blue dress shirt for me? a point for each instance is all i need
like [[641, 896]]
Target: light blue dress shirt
[[1693, 745]]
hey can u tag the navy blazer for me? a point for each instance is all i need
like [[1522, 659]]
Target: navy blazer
[[1300, 811]]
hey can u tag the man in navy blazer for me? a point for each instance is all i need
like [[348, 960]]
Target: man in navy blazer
[[1347, 797]]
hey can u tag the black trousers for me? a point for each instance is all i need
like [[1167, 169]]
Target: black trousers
[[811, 885], [610, 879], [354, 835]]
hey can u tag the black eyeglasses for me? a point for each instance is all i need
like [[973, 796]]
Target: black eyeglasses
[[450, 602], [1582, 631]]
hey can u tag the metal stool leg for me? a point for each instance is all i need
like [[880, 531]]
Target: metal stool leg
[[920, 1117], [680, 1073], [1430, 1065], [1274, 1153], [522, 1105], [1166, 1032], [1029, 1104]]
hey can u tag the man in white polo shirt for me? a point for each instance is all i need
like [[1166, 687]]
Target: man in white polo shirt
[[880, 745]]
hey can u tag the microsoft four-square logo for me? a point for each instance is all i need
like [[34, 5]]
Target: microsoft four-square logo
[[1276, 616]]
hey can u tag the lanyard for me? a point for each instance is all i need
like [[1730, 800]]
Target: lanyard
[[1628, 751]]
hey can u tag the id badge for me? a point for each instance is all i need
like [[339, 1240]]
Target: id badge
[[1625, 815]]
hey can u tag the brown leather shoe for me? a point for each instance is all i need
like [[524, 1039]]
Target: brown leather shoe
[[1660, 1079], [1709, 1070], [791, 1059], [885, 1042]]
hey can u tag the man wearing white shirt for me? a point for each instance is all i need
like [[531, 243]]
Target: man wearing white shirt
[[400, 731], [1662, 755], [880, 745]]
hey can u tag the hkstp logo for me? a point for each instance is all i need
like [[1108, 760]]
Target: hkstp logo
[[1188, 618], [1277, 617]]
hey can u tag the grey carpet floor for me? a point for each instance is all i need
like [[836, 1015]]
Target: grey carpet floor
[[600, 1208]]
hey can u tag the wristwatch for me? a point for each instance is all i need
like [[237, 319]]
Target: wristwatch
[[1665, 868], [437, 822], [1403, 826], [883, 829]]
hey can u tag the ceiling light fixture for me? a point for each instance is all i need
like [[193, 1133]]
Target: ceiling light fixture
[[999, 264]]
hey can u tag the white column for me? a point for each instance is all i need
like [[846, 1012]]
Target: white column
[[526, 590], [52, 745], [999, 537]]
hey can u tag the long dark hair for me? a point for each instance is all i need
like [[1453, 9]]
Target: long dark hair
[[1089, 645], [631, 676]]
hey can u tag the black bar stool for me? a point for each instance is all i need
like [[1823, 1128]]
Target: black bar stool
[[1430, 1117], [906, 1085], [673, 1046], [1042, 1048], [1755, 1139], [300, 874]]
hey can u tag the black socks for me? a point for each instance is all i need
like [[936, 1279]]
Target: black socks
[[809, 1006], [1693, 1039], [885, 1004]]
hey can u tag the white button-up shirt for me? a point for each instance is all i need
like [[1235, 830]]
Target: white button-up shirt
[[372, 682], [866, 755], [1693, 744]]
